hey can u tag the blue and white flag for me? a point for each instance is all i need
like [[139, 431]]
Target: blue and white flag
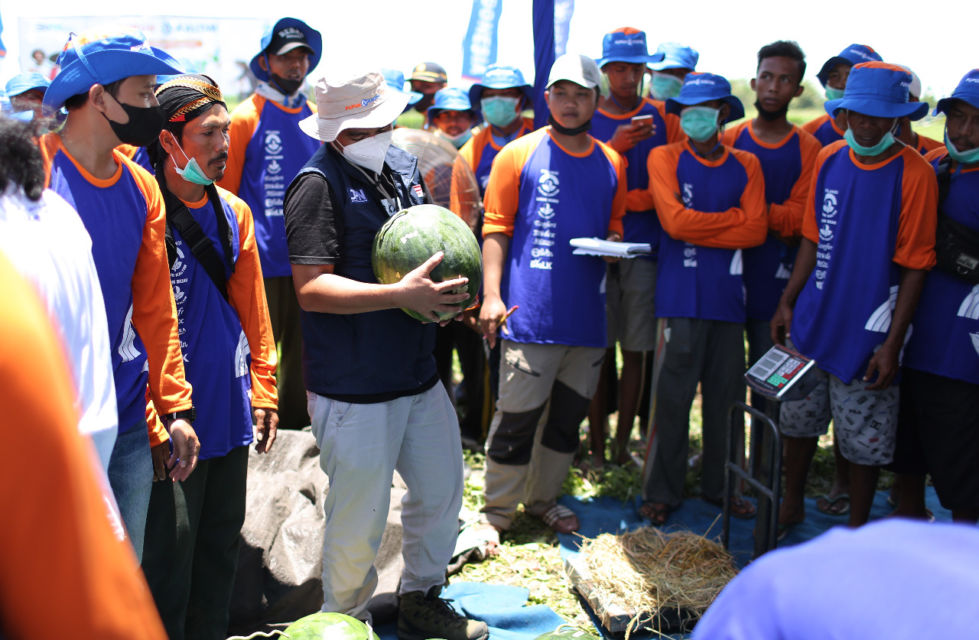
[[479, 47]]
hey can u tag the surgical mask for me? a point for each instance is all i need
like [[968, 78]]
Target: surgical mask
[[833, 93], [962, 157], [700, 123], [192, 171], [883, 145], [144, 126], [459, 140], [499, 111], [369, 153], [665, 86]]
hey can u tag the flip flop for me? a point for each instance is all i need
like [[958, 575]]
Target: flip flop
[[838, 506], [559, 518]]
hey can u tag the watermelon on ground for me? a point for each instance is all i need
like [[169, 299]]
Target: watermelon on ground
[[329, 626], [413, 235]]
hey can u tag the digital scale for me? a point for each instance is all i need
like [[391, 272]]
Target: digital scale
[[778, 374]]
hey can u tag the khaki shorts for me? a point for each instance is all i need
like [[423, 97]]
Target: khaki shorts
[[630, 304]]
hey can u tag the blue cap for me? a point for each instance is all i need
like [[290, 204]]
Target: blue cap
[[451, 99], [878, 89], [102, 58], [24, 82], [967, 91], [675, 56], [291, 33], [626, 45], [396, 80], [500, 76], [703, 87], [851, 56]]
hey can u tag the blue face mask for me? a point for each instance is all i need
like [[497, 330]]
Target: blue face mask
[[499, 111], [883, 145], [833, 94], [665, 86], [962, 157], [700, 123], [192, 171]]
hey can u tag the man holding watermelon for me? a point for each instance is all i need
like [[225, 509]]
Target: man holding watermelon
[[374, 398]]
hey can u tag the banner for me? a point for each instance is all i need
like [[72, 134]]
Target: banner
[[562, 25], [479, 47]]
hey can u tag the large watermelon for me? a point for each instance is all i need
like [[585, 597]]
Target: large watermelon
[[329, 626], [413, 235]]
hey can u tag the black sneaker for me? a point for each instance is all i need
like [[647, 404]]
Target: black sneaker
[[422, 616]]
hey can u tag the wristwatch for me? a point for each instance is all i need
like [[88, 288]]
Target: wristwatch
[[185, 414]]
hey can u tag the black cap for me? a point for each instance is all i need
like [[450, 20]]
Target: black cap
[[286, 39]]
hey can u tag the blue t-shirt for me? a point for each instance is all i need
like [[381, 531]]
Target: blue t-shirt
[[945, 336]]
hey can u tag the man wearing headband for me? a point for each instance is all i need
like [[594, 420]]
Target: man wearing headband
[[939, 418], [106, 83], [193, 527], [710, 199], [267, 150], [868, 240], [374, 394], [546, 188]]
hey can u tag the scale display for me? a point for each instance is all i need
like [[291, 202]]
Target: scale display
[[778, 372]]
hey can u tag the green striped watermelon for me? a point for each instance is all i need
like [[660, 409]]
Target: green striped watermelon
[[329, 626], [413, 235]]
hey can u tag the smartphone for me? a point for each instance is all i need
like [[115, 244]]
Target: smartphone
[[646, 119]]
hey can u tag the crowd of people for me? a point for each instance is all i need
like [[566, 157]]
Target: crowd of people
[[207, 274]]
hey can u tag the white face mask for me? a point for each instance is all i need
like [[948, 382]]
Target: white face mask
[[369, 153]]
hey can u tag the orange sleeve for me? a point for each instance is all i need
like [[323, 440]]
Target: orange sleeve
[[127, 150], [730, 136], [473, 149], [936, 154], [620, 198], [154, 311], [244, 122], [926, 145], [735, 228], [246, 293], [810, 228], [813, 125], [49, 144], [64, 573], [786, 218], [503, 189], [919, 214], [674, 133]]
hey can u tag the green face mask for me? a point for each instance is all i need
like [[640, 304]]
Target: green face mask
[[665, 86], [883, 145], [700, 123], [192, 171], [833, 94], [499, 110], [962, 157]]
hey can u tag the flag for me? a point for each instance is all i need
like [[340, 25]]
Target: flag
[[479, 47]]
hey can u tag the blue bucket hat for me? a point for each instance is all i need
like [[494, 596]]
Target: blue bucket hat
[[626, 45], [102, 58], [24, 82], [451, 99], [878, 89], [703, 87], [288, 34], [396, 80], [851, 56], [967, 91], [500, 76], [675, 56]]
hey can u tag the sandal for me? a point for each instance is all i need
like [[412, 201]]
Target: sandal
[[834, 506], [559, 518], [656, 512]]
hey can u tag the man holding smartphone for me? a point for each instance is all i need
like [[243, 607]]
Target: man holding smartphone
[[633, 126]]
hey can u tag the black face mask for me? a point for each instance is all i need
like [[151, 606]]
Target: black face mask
[[285, 85], [144, 126], [566, 131], [770, 116]]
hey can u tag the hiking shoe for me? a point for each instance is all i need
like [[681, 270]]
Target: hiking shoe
[[425, 615]]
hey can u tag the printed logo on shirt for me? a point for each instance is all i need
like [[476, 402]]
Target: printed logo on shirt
[[546, 211], [127, 346], [975, 340], [689, 256], [880, 320], [357, 196], [737, 264], [687, 195], [783, 272], [825, 233], [970, 305], [273, 142], [241, 353], [829, 202], [178, 294], [548, 183], [179, 266], [417, 190], [274, 167]]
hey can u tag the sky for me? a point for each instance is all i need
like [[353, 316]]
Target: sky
[[365, 34]]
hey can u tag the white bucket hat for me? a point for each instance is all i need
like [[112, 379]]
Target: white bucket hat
[[364, 102]]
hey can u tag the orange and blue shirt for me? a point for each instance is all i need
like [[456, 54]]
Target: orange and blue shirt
[[480, 151], [125, 217], [823, 129], [926, 145], [787, 166], [541, 195], [228, 349], [945, 339], [710, 211], [867, 222], [640, 222], [267, 151]]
